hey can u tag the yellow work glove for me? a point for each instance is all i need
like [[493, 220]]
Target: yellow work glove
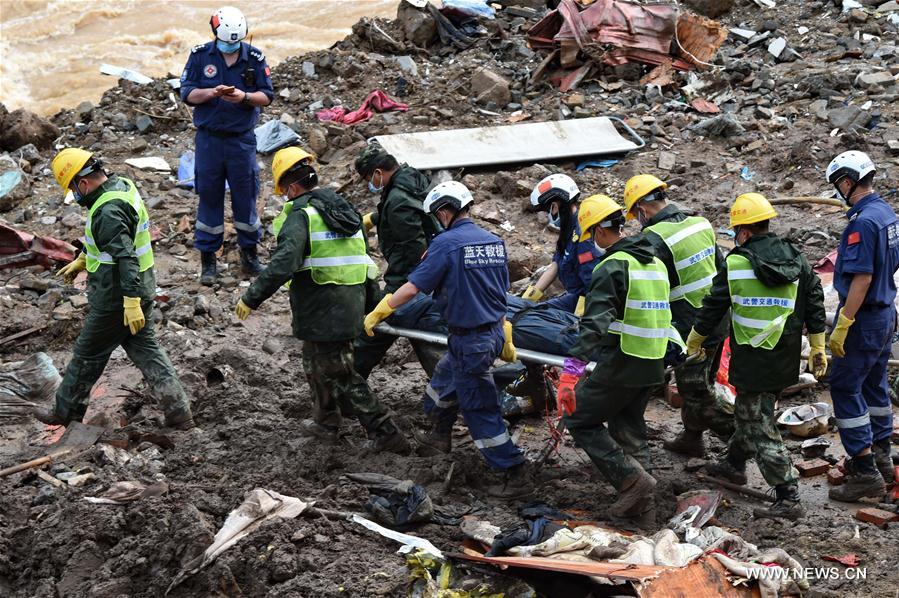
[[694, 345], [367, 223], [817, 360], [71, 270], [241, 310], [838, 336], [134, 315], [579, 308], [509, 354], [381, 312], [532, 293]]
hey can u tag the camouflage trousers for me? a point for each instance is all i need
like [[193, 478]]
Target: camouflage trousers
[[102, 333], [338, 391], [619, 450], [756, 437], [700, 411]]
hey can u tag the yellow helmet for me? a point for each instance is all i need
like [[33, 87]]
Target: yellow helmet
[[594, 210], [638, 187], [750, 208], [68, 163], [284, 160]]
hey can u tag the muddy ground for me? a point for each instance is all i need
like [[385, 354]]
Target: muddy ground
[[245, 378]]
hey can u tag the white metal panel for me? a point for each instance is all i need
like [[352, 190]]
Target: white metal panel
[[526, 142]]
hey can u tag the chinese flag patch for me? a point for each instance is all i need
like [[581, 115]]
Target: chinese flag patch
[[585, 257], [268, 71], [854, 238]]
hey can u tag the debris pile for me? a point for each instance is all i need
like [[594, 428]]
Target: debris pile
[[758, 100]]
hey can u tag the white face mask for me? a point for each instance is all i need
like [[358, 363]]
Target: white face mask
[[599, 249]]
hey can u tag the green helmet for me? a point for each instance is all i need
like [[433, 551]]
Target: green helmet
[[370, 155]]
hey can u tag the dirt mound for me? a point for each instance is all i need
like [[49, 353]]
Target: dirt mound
[[831, 88]]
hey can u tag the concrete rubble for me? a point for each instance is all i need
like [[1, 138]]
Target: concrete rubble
[[781, 115]]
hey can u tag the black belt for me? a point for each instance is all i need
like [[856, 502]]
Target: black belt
[[463, 331], [223, 134]]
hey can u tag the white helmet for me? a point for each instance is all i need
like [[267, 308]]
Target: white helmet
[[228, 24], [554, 187], [854, 164], [452, 193]]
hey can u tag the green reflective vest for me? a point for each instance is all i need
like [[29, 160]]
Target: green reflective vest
[[692, 243], [333, 258], [646, 327], [142, 248], [759, 312]]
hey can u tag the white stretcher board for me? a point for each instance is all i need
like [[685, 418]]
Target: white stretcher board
[[507, 144]]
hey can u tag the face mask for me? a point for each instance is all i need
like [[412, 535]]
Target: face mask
[[599, 249], [226, 47], [372, 187], [737, 239], [555, 221], [76, 193]]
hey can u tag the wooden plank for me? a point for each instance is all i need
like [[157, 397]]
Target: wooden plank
[[21, 334], [705, 577]]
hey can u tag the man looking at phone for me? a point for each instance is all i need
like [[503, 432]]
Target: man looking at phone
[[227, 82]]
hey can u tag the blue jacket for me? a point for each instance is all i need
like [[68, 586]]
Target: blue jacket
[[206, 68]]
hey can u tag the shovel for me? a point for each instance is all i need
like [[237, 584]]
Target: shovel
[[77, 437]]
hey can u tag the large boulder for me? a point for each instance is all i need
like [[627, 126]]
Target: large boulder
[[418, 25], [22, 127], [487, 86]]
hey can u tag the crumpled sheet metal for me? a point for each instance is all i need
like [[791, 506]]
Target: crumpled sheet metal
[[19, 249], [621, 24]]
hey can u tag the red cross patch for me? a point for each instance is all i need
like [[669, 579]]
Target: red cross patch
[[209, 70], [854, 238]]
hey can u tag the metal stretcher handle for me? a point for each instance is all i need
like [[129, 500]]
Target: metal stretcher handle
[[640, 142], [440, 339]]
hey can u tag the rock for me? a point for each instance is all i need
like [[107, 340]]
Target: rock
[[271, 346], [848, 118], [48, 220], [857, 15], [22, 127], [287, 119], [723, 125], [487, 86], [893, 144], [710, 8], [28, 153], [819, 109], [64, 311], [888, 6], [83, 111], [284, 93], [667, 160], [15, 185], [882, 78], [139, 145], [78, 301], [201, 305], [762, 112], [580, 112], [575, 99], [318, 141], [777, 46], [143, 123], [407, 65], [417, 25], [308, 69], [34, 283], [73, 220]]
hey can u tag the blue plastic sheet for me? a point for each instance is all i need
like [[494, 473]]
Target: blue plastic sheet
[[471, 8], [607, 163]]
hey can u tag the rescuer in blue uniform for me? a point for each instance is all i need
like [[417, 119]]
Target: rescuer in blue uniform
[[467, 271], [861, 340], [226, 81], [574, 260]]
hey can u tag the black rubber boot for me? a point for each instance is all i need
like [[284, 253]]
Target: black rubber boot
[[312, 429], [635, 496], [728, 471], [786, 504], [688, 443], [433, 443], [389, 442], [249, 261], [208, 272], [883, 458], [515, 482], [863, 480], [48, 415]]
